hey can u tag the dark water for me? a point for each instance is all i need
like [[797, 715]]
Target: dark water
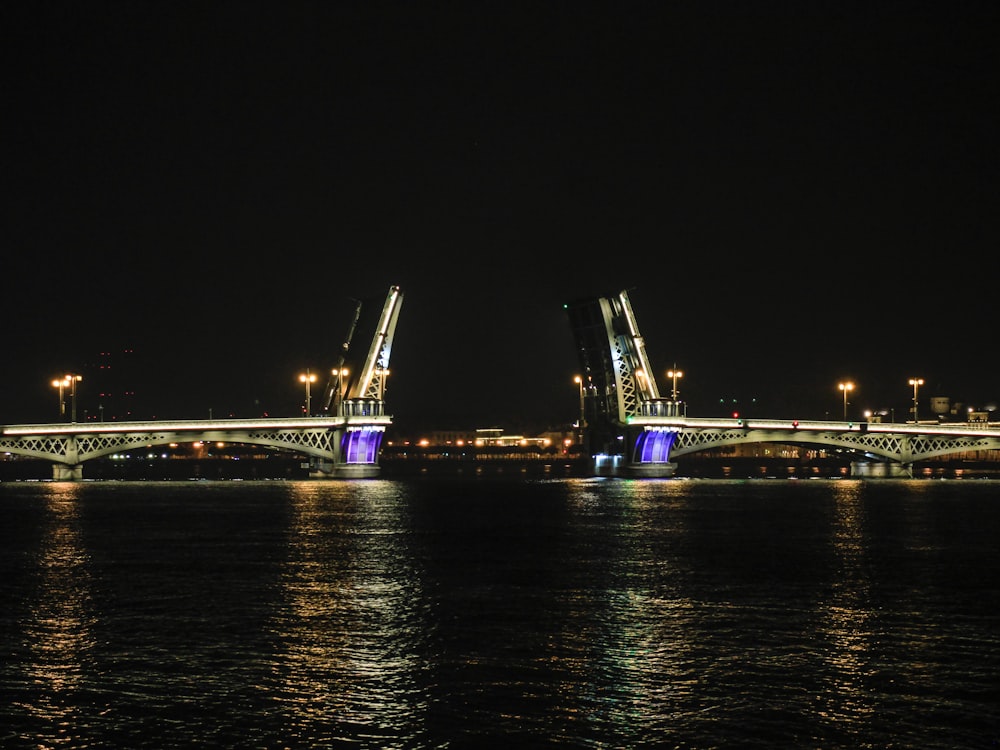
[[454, 613]]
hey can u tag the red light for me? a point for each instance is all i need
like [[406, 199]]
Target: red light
[[736, 415]]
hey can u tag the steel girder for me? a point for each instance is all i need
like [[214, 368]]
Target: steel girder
[[77, 448], [904, 448]]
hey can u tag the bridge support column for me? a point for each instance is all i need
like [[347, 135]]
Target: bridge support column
[[67, 472], [650, 470], [884, 469], [649, 453], [355, 454]]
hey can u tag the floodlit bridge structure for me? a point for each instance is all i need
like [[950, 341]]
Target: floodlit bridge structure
[[343, 443], [630, 430]]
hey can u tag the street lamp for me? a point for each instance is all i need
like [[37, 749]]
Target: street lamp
[[673, 375], [579, 381], [916, 383], [74, 379], [845, 387], [62, 385], [342, 382], [582, 424], [68, 381], [308, 378], [337, 390]]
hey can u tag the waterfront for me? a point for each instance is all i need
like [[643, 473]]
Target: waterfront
[[290, 467], [461, 612]]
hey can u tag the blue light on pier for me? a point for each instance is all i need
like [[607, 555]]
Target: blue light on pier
[[653, 446]]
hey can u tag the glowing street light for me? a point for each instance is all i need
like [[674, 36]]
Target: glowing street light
[[62, 385], [74, 379], [582, 424], [308, 378], [68, 381], [846, 388], [916, 383], [673, 375], [342, 382], [579, 381], [337, 390]]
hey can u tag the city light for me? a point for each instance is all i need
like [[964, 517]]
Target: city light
[[67, 381], [61, 385], [916, 383], [673, 375], [308, 378], [846, 388], [582, 424]]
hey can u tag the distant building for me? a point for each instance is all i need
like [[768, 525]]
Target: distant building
[[489, 437]]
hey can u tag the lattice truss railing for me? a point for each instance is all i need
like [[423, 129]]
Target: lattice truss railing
[[896, 447], [61, 448], [35, 446]]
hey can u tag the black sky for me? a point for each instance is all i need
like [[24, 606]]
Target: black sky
[[794, 193]]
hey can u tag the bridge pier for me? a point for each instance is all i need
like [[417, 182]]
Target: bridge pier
[[647, 457], [649, 470], [355, 455], [321, 469], [883, 469], [67, 472]]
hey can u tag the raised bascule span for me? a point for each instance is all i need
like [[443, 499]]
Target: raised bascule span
[[619, 388], [343, 443], [631, 431]]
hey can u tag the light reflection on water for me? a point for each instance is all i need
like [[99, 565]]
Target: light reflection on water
[[645, 640], [57, 630], [354, 616], [601, 613], [846, 614]]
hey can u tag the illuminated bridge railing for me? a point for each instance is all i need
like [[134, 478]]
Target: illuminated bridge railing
[[349, 444], [899, 444]]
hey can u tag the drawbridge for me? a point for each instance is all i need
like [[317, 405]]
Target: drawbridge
[[630, 430], [344, 442], [619, 389]]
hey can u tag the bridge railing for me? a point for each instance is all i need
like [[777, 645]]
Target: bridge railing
[[789, 425], [362, 407]]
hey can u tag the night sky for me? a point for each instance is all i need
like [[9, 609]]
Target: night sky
[[794, 194]]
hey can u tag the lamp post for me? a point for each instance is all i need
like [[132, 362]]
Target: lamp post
[[74, 379], [342, 383], [68, 381], [308, 378], [673, 375], [845, 387], [583, 421], [337, 391], [62, 385], [916, 383]]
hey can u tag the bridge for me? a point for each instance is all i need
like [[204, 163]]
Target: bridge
[[631, 430], [343, 443], [628, 428]]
